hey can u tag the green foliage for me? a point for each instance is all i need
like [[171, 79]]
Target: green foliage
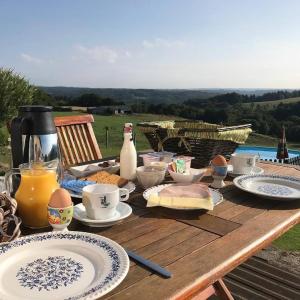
[[3, 136], [87, 100], [15, 90]]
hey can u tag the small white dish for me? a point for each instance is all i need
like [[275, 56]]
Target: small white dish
[[130, 186], [149, 176], [276, 187], [89, 266], [123, 211], [256, 171], [216, 195], [88, 169], [194, 175]]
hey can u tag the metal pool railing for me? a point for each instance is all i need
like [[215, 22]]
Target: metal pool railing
[[290, 161]]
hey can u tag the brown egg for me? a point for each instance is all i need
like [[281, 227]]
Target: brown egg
[[219, 161], [60, 198]]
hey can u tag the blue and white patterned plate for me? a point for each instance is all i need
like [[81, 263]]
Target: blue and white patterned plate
[[71, 265], [275, 187]]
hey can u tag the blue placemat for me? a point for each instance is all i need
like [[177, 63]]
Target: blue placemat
[[75, 186]]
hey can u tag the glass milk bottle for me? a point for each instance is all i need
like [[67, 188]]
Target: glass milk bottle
[[128, 156]]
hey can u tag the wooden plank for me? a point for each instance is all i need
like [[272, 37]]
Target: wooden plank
[[82, 143], [72, 120], [168, 242], [87, 145], [68, 146], [63, 147], [93, 142], [73, 147], [228, 252], [77, 143], [213, 224], [155, 235]]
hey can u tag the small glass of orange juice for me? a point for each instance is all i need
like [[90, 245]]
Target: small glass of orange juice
[[38, 182]]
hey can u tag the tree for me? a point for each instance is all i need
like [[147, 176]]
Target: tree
[[15, 90]]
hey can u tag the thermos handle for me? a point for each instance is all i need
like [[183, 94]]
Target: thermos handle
[[16, 140]]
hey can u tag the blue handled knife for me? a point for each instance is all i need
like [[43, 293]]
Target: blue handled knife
[[149, 264]]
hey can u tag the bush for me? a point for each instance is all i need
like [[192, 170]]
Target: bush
[[14, 91], [3, 136]]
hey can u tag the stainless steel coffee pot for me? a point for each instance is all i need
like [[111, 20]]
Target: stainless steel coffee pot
[[33, 136]]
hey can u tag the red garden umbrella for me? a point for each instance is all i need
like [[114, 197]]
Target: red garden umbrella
[[282, 151]]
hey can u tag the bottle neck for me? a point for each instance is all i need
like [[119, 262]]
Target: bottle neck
[[128, 137]]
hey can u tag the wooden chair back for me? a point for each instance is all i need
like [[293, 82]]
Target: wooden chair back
[[77, 139]]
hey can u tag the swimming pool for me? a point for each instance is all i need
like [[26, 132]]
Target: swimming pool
[[264, 152]]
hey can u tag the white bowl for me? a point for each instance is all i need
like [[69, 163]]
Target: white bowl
[[194, 175], [150, 177]]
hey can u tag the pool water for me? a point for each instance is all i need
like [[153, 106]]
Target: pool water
[[264, 152]]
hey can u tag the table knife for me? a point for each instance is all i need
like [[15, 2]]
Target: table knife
[[149, 264]]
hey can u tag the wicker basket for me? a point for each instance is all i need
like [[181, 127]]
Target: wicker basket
[[195, 138]]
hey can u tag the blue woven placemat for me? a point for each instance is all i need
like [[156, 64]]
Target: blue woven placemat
[[75, 186]]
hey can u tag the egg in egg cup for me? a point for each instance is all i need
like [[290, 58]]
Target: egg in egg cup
[[60, 210]]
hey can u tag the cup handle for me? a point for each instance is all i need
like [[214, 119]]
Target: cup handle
[[126, 196]]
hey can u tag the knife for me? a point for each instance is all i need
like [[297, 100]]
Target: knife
[[149, 264]]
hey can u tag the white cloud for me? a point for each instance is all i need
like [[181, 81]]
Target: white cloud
[[98, 54], [31, 59], [163, 43]]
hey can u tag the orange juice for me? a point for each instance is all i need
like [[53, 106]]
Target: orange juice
[[33, 195]]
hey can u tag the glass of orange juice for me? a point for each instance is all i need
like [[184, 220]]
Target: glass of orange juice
[[38, 182]]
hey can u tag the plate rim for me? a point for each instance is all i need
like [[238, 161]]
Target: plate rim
[[102, 222], [168, 184], [93, 292], [282, 177], [231, 174]]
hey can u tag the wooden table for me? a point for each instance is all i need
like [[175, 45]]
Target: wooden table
[[198, 247]]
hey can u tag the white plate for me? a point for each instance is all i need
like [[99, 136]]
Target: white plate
[[275, 187], [88, 169], [256, 171], [123, 211], [217, 197], [130, 186], [71, 265]]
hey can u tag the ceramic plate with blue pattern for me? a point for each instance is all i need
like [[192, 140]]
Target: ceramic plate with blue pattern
[[69, 265], [276, 187]]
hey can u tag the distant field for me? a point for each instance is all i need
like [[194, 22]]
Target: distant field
[[275, 103]]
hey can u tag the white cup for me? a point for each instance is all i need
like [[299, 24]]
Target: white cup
[[243, 163], [101, 200]]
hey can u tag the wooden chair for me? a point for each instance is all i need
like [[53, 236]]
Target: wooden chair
[[77, 139]]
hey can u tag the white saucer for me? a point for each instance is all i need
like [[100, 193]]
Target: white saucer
[[123, 211], [256, 171]]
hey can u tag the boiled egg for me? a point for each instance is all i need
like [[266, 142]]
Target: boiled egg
[[60, 199], [219, 161]]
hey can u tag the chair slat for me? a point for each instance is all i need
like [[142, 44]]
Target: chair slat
[[63, 145], [78, 145], [87, 144], [93, 141], [72, 144], [68, 146], [82, 142]]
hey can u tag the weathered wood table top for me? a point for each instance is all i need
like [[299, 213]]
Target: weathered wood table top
[[198, 247]]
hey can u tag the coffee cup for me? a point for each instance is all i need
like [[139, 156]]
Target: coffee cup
[[101, 200], [243, 163]]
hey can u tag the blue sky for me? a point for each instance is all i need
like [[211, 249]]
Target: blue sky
[[153, 44]]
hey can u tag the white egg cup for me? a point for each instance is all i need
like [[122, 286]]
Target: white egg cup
[[60, 218]]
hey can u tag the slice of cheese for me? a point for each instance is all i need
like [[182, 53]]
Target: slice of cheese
[[180, 202]]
